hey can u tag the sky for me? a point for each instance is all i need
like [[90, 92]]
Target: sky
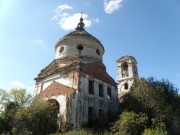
[[149, 30]]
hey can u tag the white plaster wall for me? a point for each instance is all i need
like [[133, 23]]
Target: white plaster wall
[[63, 79], [95, 101], [70, 49], [132, 67]]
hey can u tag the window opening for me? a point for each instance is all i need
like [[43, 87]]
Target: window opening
[[101, 90], [61, 49], [80, 47], [101, 117], [90, 116], [125, 70], [91, 87], [126, 86], [109, 93], [98, 52]]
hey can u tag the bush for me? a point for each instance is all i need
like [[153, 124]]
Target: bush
[[130, 123], [154, 132], [38, 119]]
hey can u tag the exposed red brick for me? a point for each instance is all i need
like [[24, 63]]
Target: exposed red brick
[[55, 89], [98, 70]]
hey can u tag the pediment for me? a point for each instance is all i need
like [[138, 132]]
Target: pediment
[[51, 68], [55, 89]]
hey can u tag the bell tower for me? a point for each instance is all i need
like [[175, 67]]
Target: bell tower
[[127, 72]]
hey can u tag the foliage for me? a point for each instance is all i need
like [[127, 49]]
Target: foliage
[[7, 117], [85, 132], [40, 118], [130, 123], [154, 132], [159, 100], [10, 102], [18, 96]]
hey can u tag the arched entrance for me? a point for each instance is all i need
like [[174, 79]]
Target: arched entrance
[[56, 106], [55, 103]]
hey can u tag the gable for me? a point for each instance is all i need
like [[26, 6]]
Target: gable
[[55, 89]]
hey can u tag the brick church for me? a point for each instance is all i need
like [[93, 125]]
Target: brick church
[[78, 83]]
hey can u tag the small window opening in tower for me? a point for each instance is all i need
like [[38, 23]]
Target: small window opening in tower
[[91, 87], [90, 116], [98, 52], [109, 93], [125, 70], [101, 90], [126, 86], [80, 47], [61, 49]]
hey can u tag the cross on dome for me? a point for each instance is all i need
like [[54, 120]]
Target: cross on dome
[[80, 25]]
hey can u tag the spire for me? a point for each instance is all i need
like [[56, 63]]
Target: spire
[[80, 25]]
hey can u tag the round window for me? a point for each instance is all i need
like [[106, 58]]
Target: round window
[[98, 52], [61, 49], [80, 47]]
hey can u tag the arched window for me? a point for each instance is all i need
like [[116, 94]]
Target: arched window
[[126, 86], [125, 70]]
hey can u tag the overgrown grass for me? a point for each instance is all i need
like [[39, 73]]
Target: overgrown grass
[[85, 132]]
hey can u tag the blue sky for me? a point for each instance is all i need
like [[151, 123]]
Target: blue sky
[[149, 30]]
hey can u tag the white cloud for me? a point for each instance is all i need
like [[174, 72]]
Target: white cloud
[[65, 6], [30, 88], [60, 13], [39, 41], [69, 21], [112, 5], [17, 84]]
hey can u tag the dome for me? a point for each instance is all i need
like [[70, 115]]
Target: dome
[[79, 33], [79, 44]]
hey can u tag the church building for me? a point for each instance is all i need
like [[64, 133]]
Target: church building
[[78, 83]]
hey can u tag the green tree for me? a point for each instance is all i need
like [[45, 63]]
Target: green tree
[[18, 96], [7, 117], [40, 118], [130, 123], [159, 100], [154, 132], [10, 102]]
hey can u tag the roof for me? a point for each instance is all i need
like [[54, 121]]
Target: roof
[[125, 58], [98, 70], [55, 89], [79, 33]]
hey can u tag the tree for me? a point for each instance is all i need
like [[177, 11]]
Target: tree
[[18, 96], [154, 132], [130, 123], [40, 118], [4, 98], [159, 100], [7, 117], [10, 102]]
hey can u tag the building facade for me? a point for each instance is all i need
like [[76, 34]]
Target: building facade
[[77, 81]]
